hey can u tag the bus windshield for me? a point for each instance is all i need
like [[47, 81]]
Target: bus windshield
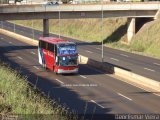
[[68, 60], [67, 49]]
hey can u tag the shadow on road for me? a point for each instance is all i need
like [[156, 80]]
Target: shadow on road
[[44, 82], [106, 68], [100, 68]]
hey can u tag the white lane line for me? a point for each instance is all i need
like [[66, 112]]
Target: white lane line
[[157, 64], [82, 76], [135, 85], [114, 59], [156, 94], [59, 81], [98, 48], [10, 42], [124, 55], [33, 53], [149, 69], [89, 51], [36, 67], [19, 57], [124, 96], [97, 104]]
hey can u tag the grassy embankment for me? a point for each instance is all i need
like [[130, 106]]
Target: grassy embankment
[[114, 33], [17, 97]]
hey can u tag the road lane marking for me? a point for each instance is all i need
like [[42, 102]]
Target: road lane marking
[[124, 96], [2, 38], [89, 51], [124, 55], [33, 53], [10, 42], [114, 59], [82, 76], [133, 84], [157, 64], [36, 67], [97, 104], [156, 94], [98, 48], [19, 57], [59, 81], [149, 69]]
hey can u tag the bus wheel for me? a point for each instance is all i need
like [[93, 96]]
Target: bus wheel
[[55, 72]]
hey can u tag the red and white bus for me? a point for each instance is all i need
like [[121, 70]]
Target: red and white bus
[[58, 55]]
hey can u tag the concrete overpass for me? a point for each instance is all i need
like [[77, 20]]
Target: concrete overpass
[[129, 10]]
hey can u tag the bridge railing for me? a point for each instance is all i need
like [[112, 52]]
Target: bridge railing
[[30, 2]]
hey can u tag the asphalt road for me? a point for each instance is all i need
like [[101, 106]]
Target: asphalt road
[[91, 93], [142, 65]]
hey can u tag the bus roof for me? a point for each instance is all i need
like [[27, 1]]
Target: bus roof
[[54, 40]]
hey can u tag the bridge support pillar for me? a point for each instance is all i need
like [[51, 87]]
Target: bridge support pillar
[[45, 27], [131, 29]]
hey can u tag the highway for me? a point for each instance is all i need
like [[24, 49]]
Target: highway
[[91, 93], [142, 65]]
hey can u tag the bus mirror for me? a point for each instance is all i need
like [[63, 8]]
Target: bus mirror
[[56, 59]]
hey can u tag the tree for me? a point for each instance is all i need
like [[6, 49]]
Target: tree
[[65, 1], [18, 1], [4, 1]]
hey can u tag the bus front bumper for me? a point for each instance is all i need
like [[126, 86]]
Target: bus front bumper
[[61, 71]]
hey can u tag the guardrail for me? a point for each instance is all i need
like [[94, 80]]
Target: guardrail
[[84, 7]]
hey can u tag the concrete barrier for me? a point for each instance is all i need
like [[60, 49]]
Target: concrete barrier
[[149, 84], [152, 85], [19, 37], [132, 77]]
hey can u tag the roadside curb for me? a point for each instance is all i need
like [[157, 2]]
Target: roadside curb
[[19, 37], [153, 85]]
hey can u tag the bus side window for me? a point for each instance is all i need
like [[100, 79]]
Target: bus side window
[[55, 50], [51, 47], [46, 45], [42, 45]]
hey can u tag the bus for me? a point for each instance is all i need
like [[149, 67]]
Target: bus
[[58, 55]]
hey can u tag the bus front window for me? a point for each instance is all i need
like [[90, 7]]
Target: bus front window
[[68, 60]]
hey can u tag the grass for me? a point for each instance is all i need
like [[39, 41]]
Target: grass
[[17, 97], [148, 40], [83, 29], [113, 33]]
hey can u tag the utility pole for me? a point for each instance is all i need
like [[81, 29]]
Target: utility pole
[[59, 25], [102, 32]]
